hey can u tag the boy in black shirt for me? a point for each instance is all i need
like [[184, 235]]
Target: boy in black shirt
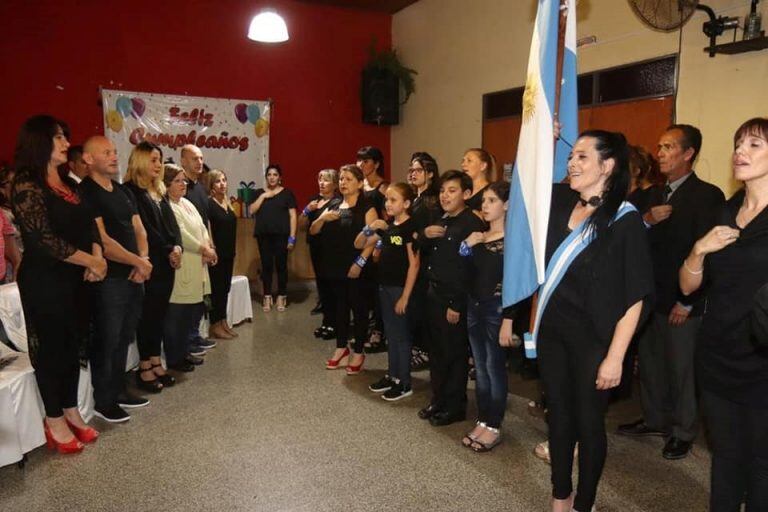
[[447, 273]]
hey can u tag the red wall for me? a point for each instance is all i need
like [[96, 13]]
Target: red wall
[[196, 47]]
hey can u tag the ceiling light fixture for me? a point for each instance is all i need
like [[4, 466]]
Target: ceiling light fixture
[[268, 27]]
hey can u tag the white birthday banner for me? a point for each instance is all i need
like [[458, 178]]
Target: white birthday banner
[[232, 134]]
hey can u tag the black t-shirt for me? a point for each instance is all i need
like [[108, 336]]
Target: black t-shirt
[[393, 260], [223, 229], [338, 245], [272, 218], [197, 195], [729, 361], [476, 201], [486, 269], [116, 208], [377, 200], [314, 240]]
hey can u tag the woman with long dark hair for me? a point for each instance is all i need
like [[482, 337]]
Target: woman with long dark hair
[[275, 230], [61, 253], [348, 267], [327, 197], [598, 277], [144, 178], [732, 355], [224, 232]]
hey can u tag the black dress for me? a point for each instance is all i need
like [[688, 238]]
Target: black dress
[[325, 291], [162, 236], [224, 233], [53, 294]]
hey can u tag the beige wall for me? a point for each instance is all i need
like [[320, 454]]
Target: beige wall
[[463, 49]]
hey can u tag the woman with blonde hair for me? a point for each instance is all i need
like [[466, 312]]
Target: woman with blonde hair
[[144, 179], [480, 166], [224, 232]]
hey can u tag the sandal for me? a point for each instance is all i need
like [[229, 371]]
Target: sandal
[[167, 380], [153, 385], [471, 438], [481, 447]]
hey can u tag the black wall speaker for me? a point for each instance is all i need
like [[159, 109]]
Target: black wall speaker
[[380, 94]]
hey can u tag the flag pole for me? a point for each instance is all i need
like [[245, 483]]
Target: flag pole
[[562, 19]]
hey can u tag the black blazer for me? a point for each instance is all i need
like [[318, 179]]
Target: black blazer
[[162, 230], [695, 208]]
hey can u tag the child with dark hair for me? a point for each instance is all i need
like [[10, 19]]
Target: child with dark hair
[[448, 275], [398, 269]]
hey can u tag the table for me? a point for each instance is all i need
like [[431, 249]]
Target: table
[[239, 305], [21, 422]]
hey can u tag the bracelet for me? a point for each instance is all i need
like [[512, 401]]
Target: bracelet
[[379, 244], [305, 211], [688, 269], [360, 261], [292, 240], [464, 249], [367, 231]]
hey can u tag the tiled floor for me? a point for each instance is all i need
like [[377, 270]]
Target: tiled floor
[[262, 426]]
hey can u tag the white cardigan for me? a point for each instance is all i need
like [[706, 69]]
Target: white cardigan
[[191, 281]]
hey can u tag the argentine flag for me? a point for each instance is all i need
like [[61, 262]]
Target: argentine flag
[[539, 161]]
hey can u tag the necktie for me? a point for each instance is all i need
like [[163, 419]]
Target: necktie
[[667, 193]]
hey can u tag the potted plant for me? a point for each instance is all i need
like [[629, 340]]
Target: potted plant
[[382, 78]]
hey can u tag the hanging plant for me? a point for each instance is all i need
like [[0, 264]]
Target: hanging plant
[[388, 60]]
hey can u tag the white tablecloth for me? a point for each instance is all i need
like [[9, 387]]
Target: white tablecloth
[[12, 315], [239, 305], [21, 422]]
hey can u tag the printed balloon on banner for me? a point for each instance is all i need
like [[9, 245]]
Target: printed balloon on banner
[[261, 128], [241, 112], [124, 106], [114, 121], [138, 106], [253, 113]]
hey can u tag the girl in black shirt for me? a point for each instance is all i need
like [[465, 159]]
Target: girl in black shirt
[[398, 268], [275, 212], [346, 266], [732, 360], [224, 232], [484, 319], [327, 182], [479, 165]]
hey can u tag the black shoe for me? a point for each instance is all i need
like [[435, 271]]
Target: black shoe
[[197, 361], [676, 449], [204, 343], [382, 385], [319, 331], [197, 351], [132, 402], [442, 418], [166, 380], [397, 392], [329, 333], [183, 366], [317, 309], [151, 386], [112, 414], [428, 411], [639, 429]]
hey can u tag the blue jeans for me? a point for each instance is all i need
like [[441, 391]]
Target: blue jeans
[[179, 321], [117, 308], [398, 334], [483, 323]]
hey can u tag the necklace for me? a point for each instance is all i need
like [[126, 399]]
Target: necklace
[[594, 201]]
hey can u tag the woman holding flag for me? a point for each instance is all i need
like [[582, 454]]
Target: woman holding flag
[[597, 279]]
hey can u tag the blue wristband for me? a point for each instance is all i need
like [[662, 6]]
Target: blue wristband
[[367, 231], [464, 249], [292, 240], [379, 244], [360, 261], [305, 212]]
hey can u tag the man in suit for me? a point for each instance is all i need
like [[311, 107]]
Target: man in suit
[[685, 209]]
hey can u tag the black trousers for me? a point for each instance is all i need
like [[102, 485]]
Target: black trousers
[[569, 357], [325, 291], [739, 443], [417, 314], [149, 334], [353, 295], [221, 282], [273, 250], [448, 365]]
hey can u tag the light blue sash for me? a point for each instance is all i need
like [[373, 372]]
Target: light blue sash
[[566, 253]]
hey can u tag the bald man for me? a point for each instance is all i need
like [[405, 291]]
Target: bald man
[[192, 163], [117, 300]]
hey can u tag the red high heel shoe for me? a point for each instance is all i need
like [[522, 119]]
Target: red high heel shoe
[[73, 446], [333, 364], [354, 370], [84, 435]]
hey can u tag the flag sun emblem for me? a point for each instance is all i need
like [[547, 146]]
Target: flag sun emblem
[[529, 97]]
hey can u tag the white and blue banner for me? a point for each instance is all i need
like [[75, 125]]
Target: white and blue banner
[[540, 161]]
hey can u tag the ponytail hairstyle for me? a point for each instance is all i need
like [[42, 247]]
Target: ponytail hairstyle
[[488, 159], [609, 145]]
